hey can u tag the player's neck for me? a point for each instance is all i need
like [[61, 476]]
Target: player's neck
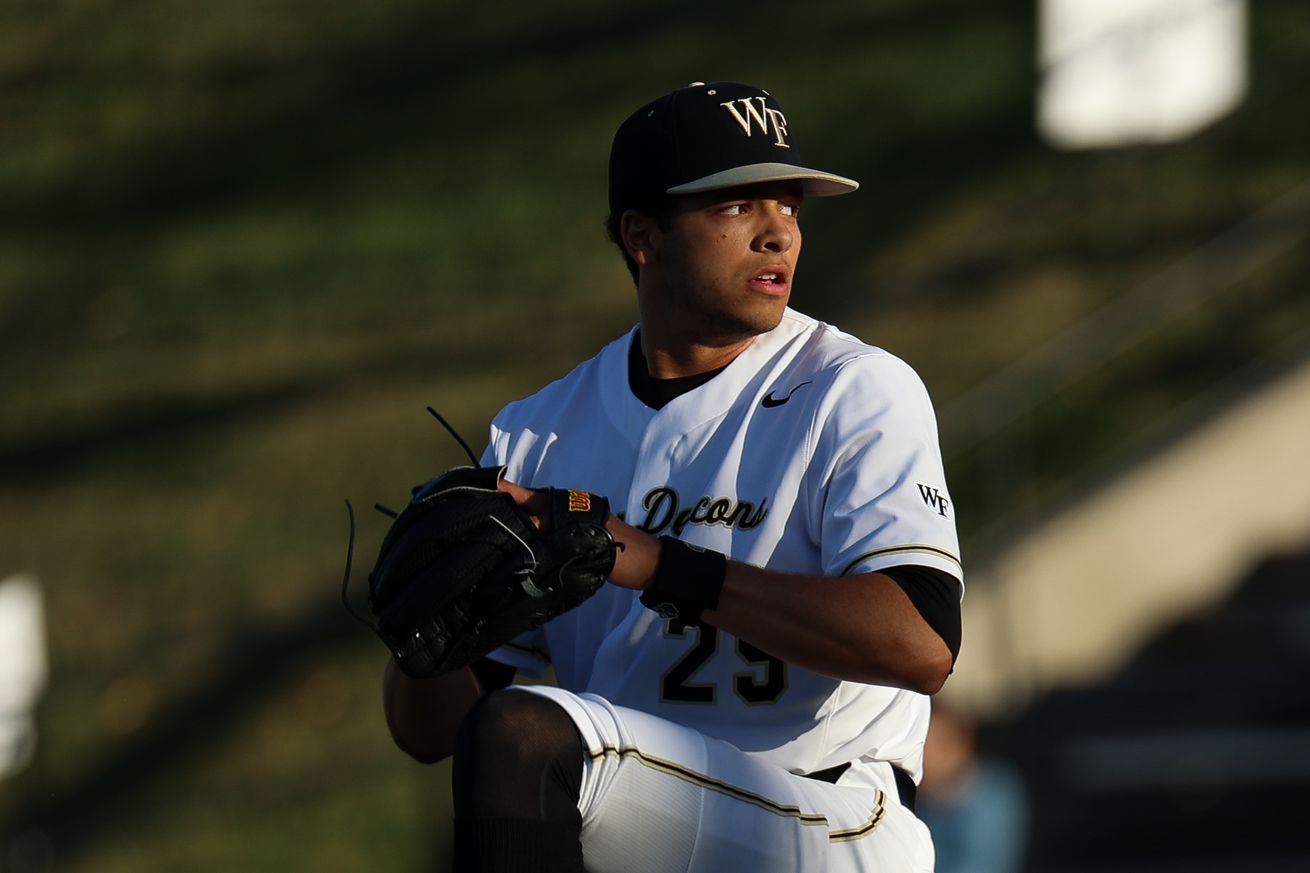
[[678, 343], [670, 358]]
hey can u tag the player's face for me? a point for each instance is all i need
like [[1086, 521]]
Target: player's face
[[729, 260]]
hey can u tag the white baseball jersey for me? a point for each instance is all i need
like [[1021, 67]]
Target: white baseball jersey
[[811, 453]]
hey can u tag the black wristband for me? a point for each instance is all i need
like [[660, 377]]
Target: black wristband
[[688, 581]]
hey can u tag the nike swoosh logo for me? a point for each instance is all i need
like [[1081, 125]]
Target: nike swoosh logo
[[770, 401]]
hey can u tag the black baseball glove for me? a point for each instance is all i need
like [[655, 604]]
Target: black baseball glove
[[464, 570]]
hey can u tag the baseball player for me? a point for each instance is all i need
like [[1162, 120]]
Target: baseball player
[[750, 690]]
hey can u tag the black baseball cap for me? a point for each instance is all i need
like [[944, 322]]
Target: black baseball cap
[[704, 137]]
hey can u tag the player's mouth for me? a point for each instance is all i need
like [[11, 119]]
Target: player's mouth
[[771, 281]]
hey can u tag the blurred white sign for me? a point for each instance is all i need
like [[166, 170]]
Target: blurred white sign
[[1124, 72], [23, 668]]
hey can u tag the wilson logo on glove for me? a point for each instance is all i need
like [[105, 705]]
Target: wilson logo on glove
[[579, 501]]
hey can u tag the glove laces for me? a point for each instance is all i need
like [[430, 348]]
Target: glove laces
[[350, 543]]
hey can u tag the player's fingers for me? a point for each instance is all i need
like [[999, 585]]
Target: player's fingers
[[531, 501], [520, 494]]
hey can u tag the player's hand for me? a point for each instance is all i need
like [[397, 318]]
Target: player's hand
[[534, 503], [639, 552]]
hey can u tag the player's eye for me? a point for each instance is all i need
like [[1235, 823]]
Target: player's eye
[[790, 209], [734, 209]]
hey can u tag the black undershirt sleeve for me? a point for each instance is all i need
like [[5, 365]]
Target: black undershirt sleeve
[[937, 597]]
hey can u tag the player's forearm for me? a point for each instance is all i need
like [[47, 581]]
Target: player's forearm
[[424, 715], [861, 628]]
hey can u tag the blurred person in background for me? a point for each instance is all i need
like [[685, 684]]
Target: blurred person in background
[[975, 804]]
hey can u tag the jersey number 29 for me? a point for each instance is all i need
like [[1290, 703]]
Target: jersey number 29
[[750, 686]]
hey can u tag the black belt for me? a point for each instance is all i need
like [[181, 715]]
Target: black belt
[[905, 786]]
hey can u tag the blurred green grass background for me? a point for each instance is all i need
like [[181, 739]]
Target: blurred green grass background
[[243, 245]]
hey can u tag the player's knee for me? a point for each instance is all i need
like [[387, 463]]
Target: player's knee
[[518, 756], [516, 728]]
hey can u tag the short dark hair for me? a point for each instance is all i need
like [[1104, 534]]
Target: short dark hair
[[659, 211]]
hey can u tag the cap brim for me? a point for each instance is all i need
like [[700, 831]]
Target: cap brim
[[817, 183]]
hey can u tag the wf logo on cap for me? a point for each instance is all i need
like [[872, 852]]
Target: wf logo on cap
[[762, 115]]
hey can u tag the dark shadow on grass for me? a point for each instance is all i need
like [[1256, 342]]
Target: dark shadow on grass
[[426, 80], [166, 425], [426, 83], [421, 82], [258, 661], [162, 426], [908, 180]]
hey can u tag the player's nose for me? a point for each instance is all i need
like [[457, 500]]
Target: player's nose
[[775, 234]]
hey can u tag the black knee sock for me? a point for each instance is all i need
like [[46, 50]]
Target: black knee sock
[[519, 845], [517, 776]]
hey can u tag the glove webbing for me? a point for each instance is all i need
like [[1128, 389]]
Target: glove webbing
[[350, 513]]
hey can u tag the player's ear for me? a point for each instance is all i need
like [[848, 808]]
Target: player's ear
[[640, 235]]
